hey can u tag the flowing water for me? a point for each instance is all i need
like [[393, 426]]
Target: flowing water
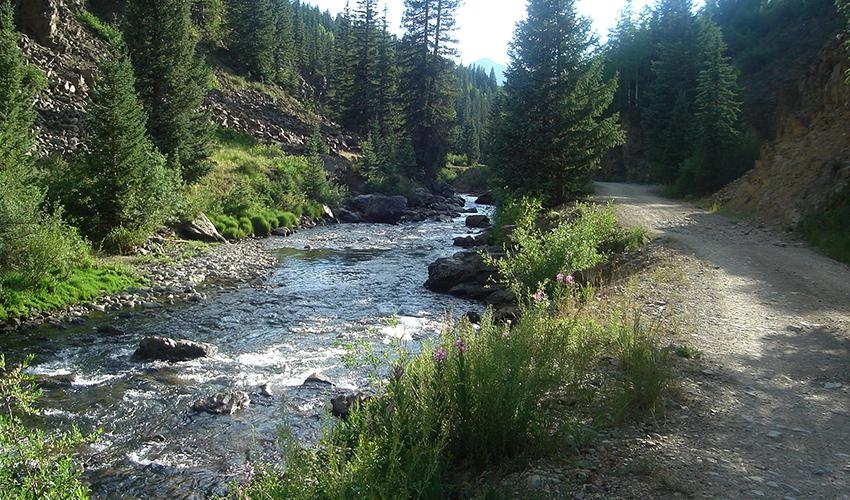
[[332, 284]]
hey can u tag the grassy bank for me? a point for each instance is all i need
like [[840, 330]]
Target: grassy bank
[[486, 397], [81, 285]]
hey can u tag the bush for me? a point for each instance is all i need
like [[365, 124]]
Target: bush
[[33, 464], [540, 255], [288, 219], [104, 31], [261, 226]]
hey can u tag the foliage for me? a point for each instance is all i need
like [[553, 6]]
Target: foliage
[[121, 191], [104, 31], [476, 95], [36, 246], [171, 82], [541, 254], [550, 132], [253, 180], [476, 398], [829, 227], [32, 464], [843, 7], [428, 84]]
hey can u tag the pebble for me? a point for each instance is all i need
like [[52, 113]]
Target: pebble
[[832, 385], [823, 471], [774, 434], [757, 493]]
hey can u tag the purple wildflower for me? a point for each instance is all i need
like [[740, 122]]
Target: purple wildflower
[[569, 279], [440, 355], [460, 346], [560, 277], [538, 295]]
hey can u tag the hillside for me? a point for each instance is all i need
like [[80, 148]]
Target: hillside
[[809, 161], [67, 51]]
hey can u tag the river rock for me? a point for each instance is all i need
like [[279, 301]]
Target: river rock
[[478, 221], [318, 378], [347, 216], [223, 403], [201, 229], [462, 267], [486, 199], [464, 241], [379, 208], [166, 349], [342, 405]]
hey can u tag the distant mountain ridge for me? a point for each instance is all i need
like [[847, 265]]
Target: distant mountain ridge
[[489, 64]]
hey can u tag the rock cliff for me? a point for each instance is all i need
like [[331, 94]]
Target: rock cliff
[[810, 159]]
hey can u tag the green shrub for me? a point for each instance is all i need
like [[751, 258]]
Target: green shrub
[[245, 225], [233, 233], [32, 463], [288, 219], [104, 31], [541, 255], [474, 399], [261, 226]]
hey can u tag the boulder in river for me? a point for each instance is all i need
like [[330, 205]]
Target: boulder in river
[[462, 267], [167, 349], [318, 378], [379, 208], [486, 199], [478, 221], [223, 403]]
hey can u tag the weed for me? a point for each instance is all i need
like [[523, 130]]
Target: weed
[[688, 352]]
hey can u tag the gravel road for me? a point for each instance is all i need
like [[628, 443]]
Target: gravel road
[[767, 411]]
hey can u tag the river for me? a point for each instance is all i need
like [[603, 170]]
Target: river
[[332, 285]]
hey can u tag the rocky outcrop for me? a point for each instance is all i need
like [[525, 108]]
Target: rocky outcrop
[[201, 229], [223, 403], [278, 120], [810, 159], [379, 208], [167, 349]]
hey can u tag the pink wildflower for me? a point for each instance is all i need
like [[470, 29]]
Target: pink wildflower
[[538, 296], [460, 346], [440, 355]]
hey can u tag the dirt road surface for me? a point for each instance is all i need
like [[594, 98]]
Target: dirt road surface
[[767, 412]]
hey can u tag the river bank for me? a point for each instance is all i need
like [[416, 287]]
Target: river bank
[[179, 270]]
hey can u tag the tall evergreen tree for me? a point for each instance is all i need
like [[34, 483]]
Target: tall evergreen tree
[[550, 132], [341, 77], [286, 65], [253, 37], [429, 80], [843, 7], [123, 190], [171, 81], [669, 139], [716, 120], [362, 109]]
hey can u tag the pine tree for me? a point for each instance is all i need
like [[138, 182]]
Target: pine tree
[[550, 133], [362, 109], [253, 37], [669, 139], [429, 80], [171, 82], [286, 65], [843, 7], [341, 77], [717, 110], [123, 191]]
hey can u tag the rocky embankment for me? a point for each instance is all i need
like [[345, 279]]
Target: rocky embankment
[[809, 161]]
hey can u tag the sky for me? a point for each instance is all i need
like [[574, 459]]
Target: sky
[[485, 27]]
